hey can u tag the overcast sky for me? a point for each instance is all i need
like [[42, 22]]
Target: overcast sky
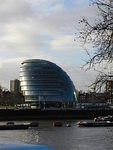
[[43, 29]]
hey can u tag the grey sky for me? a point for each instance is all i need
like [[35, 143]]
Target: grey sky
[[42, 29]]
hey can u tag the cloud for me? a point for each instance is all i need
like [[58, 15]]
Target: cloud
[[25, 28], [38, 29], [66, 43], [62, 43], [14, 10]]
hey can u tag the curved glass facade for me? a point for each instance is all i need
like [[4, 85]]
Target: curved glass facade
[[44, 81]]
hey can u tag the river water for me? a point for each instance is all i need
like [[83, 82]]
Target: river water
[[62, 138]]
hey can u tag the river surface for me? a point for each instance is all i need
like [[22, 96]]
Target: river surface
[[62, 138]]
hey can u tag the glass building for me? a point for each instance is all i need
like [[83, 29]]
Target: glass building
[[43, 83]]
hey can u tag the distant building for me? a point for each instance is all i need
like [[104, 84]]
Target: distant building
[[92, 97], [109, 90], [15, 86], [92, 100]]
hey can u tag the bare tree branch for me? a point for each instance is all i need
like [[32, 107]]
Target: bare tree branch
[[100, 35]]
